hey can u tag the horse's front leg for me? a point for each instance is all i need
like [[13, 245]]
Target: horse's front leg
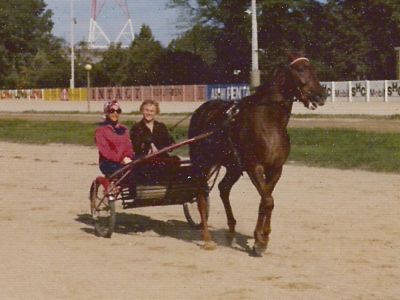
[[202, 205], [225, 186], [265, 182]]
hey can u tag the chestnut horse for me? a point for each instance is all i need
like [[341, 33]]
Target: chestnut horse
[[255, 141]]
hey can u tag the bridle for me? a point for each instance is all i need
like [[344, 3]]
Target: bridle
[[293, 62], [298, 59]]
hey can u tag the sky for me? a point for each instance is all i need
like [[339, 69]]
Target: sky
[[154, 13]]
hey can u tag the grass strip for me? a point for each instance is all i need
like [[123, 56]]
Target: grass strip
[[346, 116], [337, 148], [298, 116], [346, 149]]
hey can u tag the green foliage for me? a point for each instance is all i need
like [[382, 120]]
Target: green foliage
[[30, 55], [346, 40], [112, 69], [141, 56], [199, 40], [146, 62], [179, 67]]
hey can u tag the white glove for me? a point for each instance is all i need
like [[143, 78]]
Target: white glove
[[126, 160]]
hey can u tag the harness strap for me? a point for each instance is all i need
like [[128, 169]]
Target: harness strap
[[230, 115]]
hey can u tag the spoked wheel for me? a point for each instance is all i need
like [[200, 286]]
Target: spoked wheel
[[102, 209], [192, 213]]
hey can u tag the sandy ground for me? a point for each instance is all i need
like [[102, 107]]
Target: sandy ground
[[335, 236]]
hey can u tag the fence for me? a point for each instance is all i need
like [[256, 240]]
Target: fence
[[339, 91], [190, 93], [227, 91], [78, 94], [36, 94], [363, 91]]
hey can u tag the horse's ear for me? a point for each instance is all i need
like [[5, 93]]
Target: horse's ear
[[288, 53], [279, 75], [292, 55]]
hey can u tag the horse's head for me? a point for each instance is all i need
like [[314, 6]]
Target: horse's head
[[305, 85]]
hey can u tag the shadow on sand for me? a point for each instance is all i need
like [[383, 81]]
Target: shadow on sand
[[134, 223]]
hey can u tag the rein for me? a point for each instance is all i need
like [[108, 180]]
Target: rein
[[179, 122], [231, 110]]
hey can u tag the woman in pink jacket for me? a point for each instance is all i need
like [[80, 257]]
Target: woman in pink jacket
[[113, 141]]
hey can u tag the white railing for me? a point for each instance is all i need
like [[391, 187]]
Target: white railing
[[363, 91]]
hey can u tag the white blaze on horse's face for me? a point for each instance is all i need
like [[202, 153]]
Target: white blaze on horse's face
[[311, 106]]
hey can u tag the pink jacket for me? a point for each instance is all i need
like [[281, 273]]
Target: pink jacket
[[114, 144]]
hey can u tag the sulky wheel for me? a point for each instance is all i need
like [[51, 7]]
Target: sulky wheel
[[103, 210], [192, 213]]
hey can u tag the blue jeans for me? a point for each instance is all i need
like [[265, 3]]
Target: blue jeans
[[109, 167]]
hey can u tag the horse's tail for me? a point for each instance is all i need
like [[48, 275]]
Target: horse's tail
[[207, 117], [204, 154]]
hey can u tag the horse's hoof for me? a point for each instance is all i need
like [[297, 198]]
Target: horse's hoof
[[231, 238], [257, 251], [209, 246]]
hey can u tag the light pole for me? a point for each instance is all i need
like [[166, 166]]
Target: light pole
[[72, 80], [255, 72], [397, 62], [88, 68]]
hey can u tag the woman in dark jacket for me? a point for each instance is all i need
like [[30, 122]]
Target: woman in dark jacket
[[149, 135]]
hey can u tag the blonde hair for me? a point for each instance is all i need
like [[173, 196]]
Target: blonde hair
[[150, 102]]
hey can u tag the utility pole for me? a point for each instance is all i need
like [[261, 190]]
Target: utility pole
[[255, 72], [397, 62], [72, 80], [88, 68]]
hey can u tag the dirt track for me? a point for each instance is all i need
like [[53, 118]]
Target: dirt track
[[335, 233], [335, 236]]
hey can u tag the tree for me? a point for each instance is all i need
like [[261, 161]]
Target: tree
[[30, 55], [377, 26], [141, 57], [180, 67], [113, 68], [346, 39], [199, 40], [231, 40]]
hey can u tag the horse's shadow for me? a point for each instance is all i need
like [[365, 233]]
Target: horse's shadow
[[180, 230]]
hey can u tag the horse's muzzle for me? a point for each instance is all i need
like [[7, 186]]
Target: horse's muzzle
[[320, 98]]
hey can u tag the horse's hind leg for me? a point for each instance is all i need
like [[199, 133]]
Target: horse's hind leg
[[225, 186], [202, 206], [265, 182]]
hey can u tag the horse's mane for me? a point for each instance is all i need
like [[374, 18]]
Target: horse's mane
[[265, 89], [271, 81]]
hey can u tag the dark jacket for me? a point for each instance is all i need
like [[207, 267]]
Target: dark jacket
[[142, 137]]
